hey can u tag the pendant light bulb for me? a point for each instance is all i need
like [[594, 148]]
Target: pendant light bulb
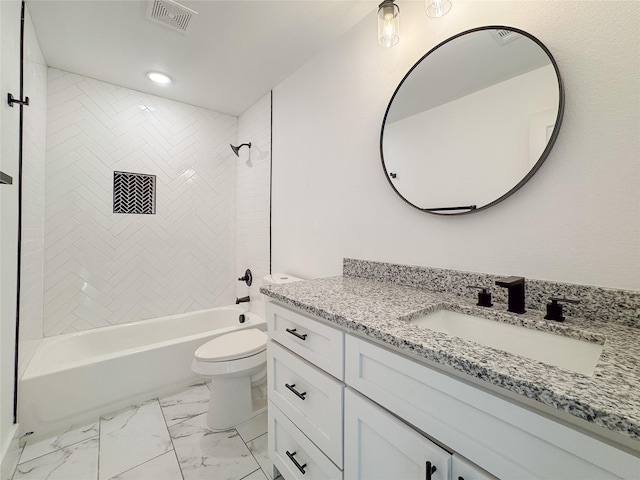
[[437, 8], [388, 24]]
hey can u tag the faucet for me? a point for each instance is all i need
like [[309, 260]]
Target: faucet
[[242, 300], [515, 289]]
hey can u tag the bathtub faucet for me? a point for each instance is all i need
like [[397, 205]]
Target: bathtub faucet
[[242, 300]]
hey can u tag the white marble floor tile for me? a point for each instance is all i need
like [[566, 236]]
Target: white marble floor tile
[[257, 475], [64, 439], [187, 404], [74, 462], [204, 454], [253, 428], [131, 437], [258, 448], [164, 467]]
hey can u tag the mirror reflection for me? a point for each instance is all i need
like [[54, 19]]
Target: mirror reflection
[[472, 121]]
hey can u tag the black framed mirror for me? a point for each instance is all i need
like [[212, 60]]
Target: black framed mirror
[[472, 121]]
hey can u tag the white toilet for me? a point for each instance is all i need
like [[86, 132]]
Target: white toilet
[[234, 363]]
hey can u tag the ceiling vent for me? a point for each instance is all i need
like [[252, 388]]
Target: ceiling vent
[[504, 36], [170, 14]]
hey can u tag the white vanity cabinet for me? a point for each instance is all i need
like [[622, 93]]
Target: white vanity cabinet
[[341, 406], [463, 469], [378, 446]]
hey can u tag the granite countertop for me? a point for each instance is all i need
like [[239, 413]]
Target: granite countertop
[[381, 311]]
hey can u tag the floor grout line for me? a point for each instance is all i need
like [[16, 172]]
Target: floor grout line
[[173, 447]]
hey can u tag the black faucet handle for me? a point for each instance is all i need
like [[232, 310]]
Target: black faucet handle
[[554, 309], [484, 297], [247, 278], [509, 281]]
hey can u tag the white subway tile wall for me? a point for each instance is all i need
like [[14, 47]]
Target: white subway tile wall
[[103, 268], [253, 199]]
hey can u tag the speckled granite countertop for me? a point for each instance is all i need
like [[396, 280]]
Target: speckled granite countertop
[[382, 310]]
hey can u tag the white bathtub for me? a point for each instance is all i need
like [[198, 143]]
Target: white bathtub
[[79, 376]]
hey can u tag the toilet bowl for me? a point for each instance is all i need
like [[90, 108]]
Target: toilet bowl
[[233, 363]]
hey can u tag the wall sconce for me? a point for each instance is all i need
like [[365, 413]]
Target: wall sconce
[[437, 8], [388, 23]]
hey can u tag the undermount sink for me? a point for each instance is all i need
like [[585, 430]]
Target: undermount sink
[[576, 355]]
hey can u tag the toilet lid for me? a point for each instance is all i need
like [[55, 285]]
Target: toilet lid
[[233, 346]]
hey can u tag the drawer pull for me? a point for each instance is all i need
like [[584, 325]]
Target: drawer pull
[[298, 394], [431, 469], [295, 462], [296, 334]]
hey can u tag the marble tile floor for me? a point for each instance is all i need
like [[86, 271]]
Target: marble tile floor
[[164, 438]]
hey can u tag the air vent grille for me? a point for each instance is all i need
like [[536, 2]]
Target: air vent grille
[[134, 193], [170, 14], [504, 36]]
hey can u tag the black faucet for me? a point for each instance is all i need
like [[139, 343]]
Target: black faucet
[[242, 300], [515, 287]]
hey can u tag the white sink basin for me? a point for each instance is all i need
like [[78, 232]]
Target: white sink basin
[[564, 352]]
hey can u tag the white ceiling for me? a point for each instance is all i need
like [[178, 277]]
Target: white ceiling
[[232, 53]]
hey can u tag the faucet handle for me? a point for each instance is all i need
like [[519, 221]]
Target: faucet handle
[[554, 309], [509, 281], [484, 297]]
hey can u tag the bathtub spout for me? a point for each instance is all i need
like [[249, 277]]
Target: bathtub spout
[[242, 300]]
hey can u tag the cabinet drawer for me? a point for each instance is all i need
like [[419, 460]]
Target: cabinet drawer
[[310, 398], [288, 445], [316, 342]]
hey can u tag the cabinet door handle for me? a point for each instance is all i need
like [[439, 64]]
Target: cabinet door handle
[[295, 462], [298, 394], [296, 334], [431, 469]]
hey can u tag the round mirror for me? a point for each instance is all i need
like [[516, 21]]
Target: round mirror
[[472, 120]]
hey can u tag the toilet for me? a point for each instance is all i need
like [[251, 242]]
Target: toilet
[[234, 363]]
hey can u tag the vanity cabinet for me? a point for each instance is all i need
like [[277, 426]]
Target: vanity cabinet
[[506, 439], [400, 413], [378, 446]]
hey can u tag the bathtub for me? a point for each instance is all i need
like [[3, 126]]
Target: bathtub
[[77, 377]]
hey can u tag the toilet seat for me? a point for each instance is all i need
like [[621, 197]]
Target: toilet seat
[[233, 346]]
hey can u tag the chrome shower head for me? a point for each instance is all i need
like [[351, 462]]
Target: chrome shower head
[[235, 149]]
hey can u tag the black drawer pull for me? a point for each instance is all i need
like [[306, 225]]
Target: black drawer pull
[[431, 469], [298, 394], [296, 334], [295, 462]]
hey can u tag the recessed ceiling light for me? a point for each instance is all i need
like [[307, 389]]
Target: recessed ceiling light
[[160, 78]]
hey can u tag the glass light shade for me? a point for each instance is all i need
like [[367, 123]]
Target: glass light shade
[[437, 8], [388, 24], [160, 78]]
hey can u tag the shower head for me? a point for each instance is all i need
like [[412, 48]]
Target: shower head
[[235, 149]]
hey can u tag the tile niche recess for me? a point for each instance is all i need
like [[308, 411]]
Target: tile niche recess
[[134, 193]]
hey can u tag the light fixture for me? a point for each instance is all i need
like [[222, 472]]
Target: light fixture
[[437, 8], [388, 24], [159, 78]]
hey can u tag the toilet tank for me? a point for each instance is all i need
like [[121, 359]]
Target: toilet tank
[[278, 278], [273, 279]]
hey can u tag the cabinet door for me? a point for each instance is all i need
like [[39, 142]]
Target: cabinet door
[[379, 446], [463, 469]]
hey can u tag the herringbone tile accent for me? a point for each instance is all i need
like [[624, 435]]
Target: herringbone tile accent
[[103, 268]]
